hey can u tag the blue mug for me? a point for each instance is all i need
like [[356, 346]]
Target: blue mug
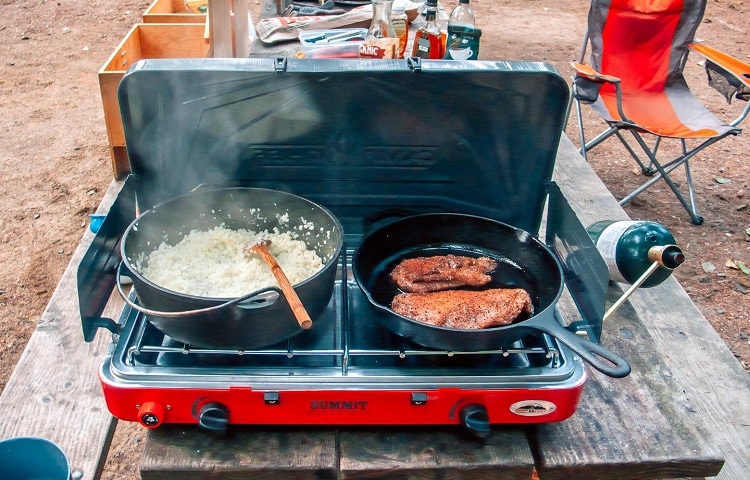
[[26, 458]]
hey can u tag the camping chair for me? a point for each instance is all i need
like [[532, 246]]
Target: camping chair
[[635, 82]]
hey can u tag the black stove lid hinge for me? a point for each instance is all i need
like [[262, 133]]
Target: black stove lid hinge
[[280, 65], [415, 64], [98, 269]]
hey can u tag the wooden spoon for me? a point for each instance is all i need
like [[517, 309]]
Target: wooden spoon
[[300, 313]]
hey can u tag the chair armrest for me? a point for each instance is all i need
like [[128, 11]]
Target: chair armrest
[[588, 82], [588, 72], [737, 68]]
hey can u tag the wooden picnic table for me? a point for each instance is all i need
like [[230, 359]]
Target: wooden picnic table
[[682, 412]]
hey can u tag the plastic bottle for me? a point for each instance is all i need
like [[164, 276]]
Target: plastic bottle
[[462, 15], [381, 40], [400, 25], [630, 247], [427, 42], [462, 42]]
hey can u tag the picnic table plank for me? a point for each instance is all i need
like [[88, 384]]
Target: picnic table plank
[[713, 388], [425, 453], [54, 391], [652, 436], [189, 452]]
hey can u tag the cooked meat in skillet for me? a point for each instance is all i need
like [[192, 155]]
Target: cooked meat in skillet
[[442, 272], [465, 309]]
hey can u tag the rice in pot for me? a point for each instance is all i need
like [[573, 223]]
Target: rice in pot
[[214, 263]]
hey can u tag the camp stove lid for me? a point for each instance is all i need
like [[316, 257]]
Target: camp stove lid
[[474, 137]]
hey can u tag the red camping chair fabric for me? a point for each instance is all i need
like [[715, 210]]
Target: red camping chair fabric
[[635, 82]]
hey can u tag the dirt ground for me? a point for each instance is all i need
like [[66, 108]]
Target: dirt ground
[[54, 152]]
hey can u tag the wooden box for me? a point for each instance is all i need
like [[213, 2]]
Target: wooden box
[[171, 11], [144, 41]]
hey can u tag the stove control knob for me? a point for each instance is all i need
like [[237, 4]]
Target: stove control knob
[[476, 420], [214, 416], [151, 414]]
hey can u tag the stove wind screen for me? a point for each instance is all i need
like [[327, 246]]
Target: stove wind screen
[[586, 273]]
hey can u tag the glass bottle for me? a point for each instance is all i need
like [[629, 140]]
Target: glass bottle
[[381, 40], [427, 42], [400, 25], [631, 247]]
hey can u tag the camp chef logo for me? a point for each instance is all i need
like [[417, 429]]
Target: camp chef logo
[[344, 155], [533, 408]]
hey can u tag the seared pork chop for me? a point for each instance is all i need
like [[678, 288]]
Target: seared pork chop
[[442, 272], [465, 309]]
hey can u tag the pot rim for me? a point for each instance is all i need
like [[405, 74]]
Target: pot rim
[[153, 210]]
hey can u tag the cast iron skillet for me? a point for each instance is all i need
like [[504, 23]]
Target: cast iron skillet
[[523, 261]]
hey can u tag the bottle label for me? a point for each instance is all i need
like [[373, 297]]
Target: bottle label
[[379, 48], [607, 246], [427, 45], [461, 54], [401, 27], [462, 43]]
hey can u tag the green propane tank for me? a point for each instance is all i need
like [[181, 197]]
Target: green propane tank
[[630, 248]]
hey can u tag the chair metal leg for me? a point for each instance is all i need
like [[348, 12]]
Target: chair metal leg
[[601, 137], [691, 189], [646, 170], [583, 148], [663, 172]]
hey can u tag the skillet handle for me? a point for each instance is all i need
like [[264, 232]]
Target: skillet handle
[[593, 353]]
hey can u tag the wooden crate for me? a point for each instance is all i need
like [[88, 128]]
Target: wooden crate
[[144, 41], [171, 11]]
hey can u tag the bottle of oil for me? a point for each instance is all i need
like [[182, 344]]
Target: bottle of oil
[[631, 247], [400, 25], [427, 41]]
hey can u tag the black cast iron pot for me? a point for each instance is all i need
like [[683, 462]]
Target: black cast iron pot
[[255, 320], [523, 261]]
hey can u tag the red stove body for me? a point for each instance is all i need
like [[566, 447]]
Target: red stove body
[[344, 371], [371, 141], [215, 409]]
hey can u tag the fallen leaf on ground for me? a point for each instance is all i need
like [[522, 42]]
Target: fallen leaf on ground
[[738, 265]]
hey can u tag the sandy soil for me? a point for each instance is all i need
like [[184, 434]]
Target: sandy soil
[[54, 152]]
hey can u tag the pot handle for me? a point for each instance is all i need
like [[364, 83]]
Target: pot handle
[[249, 301], [591, 352]]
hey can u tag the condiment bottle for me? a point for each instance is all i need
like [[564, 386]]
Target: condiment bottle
[[427, 42], [400, 25], [381, 40], [630, 248]]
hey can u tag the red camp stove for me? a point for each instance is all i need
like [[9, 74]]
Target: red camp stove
[[371, 141], [348, 370]]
